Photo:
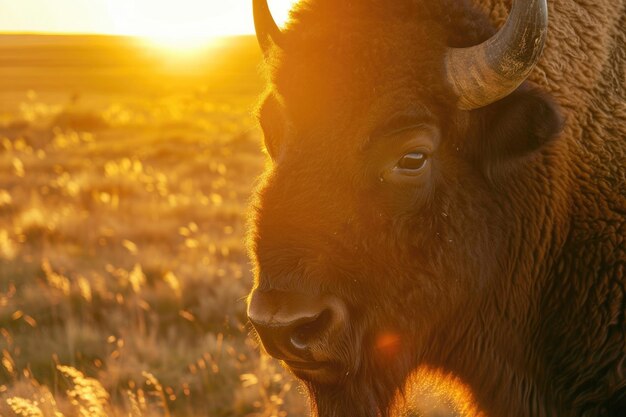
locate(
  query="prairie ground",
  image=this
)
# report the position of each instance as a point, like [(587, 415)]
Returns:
[(124, 181)]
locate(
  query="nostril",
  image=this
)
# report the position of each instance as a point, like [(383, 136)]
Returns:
[(305, 333), (296, 326)]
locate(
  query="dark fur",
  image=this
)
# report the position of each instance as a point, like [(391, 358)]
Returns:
[(506, 269)]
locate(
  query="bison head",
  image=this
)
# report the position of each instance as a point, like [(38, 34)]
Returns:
[(407, 159)]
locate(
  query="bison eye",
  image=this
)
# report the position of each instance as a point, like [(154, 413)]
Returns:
[(407, 157), (412, 162)]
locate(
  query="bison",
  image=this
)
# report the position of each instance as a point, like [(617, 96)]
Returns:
[(443, 197)]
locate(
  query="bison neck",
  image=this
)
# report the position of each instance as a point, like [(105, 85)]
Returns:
[(495, 357), (563, 354)]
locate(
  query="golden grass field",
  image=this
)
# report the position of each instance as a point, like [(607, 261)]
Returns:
[(124, 179), (125, 174)]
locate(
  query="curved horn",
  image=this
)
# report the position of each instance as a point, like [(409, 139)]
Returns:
[(482, 74), (267, 32)]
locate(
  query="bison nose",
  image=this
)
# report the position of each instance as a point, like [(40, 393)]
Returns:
[(295, 326)]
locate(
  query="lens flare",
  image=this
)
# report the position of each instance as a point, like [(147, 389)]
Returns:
[(388, 343)]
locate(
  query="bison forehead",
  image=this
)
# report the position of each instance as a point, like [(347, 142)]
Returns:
[(323, 75), (338, 59)]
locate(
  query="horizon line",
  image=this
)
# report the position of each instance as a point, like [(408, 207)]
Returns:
[(121, 35)]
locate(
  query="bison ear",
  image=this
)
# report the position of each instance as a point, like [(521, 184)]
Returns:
[(512, 129)]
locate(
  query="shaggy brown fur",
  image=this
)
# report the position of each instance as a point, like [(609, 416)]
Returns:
[(505, 267)]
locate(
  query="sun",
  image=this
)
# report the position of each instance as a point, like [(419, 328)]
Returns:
[(182, 46), (186, 26)]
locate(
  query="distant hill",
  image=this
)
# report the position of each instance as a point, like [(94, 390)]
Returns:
[(114, 64)]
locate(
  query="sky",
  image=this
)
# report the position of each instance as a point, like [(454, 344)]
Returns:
[(149, 18)]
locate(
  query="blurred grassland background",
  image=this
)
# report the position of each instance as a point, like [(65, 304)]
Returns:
[(125, 174)]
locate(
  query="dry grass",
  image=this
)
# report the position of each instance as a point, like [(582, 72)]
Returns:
[(123, 270)]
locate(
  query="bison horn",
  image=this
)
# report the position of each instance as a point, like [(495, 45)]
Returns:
[(267, 32), (482, 74)]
